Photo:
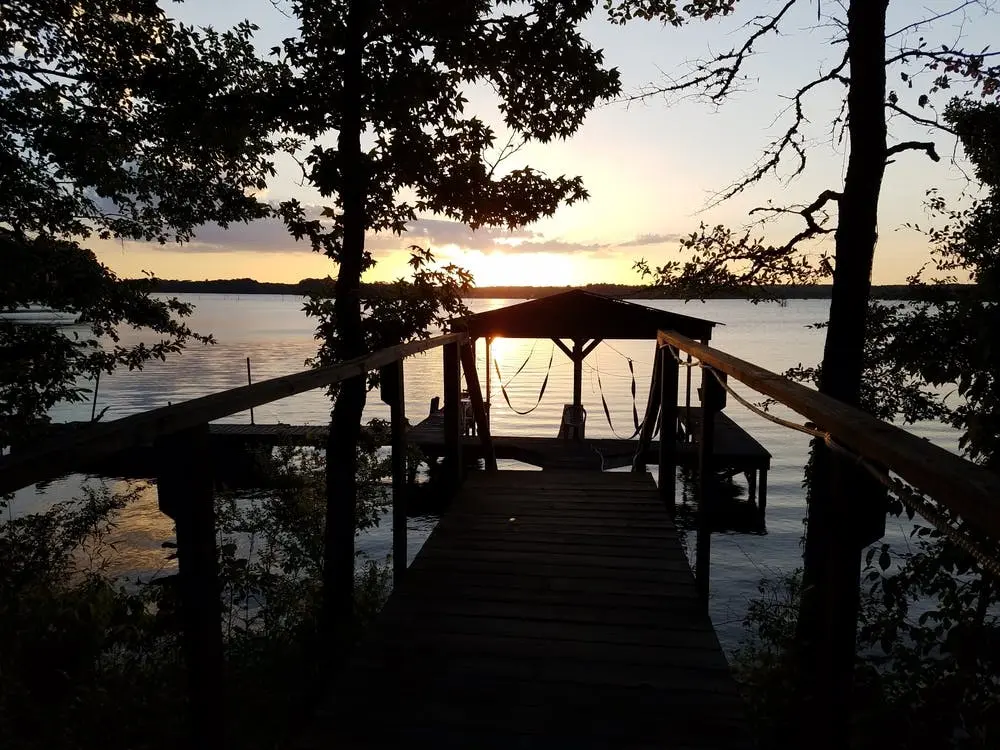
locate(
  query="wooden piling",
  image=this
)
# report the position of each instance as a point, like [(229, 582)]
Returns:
[(393, 394), (712, 396), (669, 377), (184, 490), (453, 427)]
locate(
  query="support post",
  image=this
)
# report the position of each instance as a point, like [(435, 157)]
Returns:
[(689, 434), (577, 375), (762, 495), (393, 394), (468, 354), (453, 427), (712, 397), (669, 377), (184, 492), (652, 410), (489, 375)]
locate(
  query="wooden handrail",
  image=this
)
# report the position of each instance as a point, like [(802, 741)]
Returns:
[(61, 455), (966, 488)]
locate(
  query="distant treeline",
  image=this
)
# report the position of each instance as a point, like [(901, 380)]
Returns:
[(381, 289)]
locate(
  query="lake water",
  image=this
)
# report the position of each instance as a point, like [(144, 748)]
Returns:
[(278, 338)]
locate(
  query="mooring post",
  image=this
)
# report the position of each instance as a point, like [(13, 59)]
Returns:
[(184, 492), (669, 380), (712, 399), (468, 353), (393, 394), (453, 415)]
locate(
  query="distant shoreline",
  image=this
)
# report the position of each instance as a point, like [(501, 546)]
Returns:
[(379, 289)]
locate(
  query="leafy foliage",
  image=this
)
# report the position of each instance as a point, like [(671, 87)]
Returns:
[(109, 129), (91, 660), (423, 152), (929, 636)]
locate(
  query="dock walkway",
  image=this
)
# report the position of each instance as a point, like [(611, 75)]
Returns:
[(546, 610)]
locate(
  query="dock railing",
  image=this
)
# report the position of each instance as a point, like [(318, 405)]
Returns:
[(912, 468), (179, 434)]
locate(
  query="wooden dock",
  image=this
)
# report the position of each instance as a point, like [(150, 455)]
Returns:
[(734, 448), (547, 610)]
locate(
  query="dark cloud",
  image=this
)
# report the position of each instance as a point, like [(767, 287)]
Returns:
[(270, 235)]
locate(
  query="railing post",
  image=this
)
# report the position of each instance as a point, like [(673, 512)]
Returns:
[(393, 393), (712, 396), (468, 353), (452, 415), (669, 377), (184, 492)]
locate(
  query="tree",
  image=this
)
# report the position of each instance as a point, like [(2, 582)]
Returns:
[(110, 118), (839, 493), (390, 82)]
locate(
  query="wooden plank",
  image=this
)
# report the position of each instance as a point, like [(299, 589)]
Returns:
[(393, 393), (61, 455), (966, 488), (554, 633)]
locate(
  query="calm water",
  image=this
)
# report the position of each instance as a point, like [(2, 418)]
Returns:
[(275, 334)]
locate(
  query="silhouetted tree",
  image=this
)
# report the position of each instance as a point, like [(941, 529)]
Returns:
[(381, 92), (115, 123), (845, 505)]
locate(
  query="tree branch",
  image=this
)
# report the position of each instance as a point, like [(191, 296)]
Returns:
[(920, 120), (927, 147)]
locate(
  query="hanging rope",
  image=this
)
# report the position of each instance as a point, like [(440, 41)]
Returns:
[(519, 369), (607, 411), (912, 499), (545, 382)]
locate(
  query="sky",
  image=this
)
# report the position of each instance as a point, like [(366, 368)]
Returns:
[(651, 167)]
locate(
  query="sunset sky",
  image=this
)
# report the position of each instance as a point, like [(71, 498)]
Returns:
[(650, 168)]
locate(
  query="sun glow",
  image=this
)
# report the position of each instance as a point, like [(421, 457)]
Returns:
[(517, 269)]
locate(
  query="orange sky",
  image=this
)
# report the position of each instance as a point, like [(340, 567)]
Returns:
[(650, 168)]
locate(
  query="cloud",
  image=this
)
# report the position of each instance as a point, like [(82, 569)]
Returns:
[(270, 235), (650, 239)]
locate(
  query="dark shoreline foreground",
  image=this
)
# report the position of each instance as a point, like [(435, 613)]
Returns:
[(308, 286)]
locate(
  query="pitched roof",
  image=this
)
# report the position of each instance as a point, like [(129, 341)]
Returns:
[(579, 314)]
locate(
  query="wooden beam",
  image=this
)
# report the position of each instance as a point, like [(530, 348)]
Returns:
[(468, 354), (711, 402), (62, 455), (565, 349), (393, 393), (668, 427), (577, 376), (453, 423), (966, 488), (590, 347)]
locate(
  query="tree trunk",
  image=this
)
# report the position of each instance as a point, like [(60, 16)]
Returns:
[(345, 426), (840, 490)]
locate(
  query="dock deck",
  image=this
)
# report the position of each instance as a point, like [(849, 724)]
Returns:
[(546, 610), (735, 448)]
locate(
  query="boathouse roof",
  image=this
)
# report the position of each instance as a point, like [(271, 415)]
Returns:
[(578, 314)]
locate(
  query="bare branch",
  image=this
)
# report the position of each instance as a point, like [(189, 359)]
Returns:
[(920, 120), (931, 19), (791, 139), (717, 77), (813, 227), (927, 147)]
